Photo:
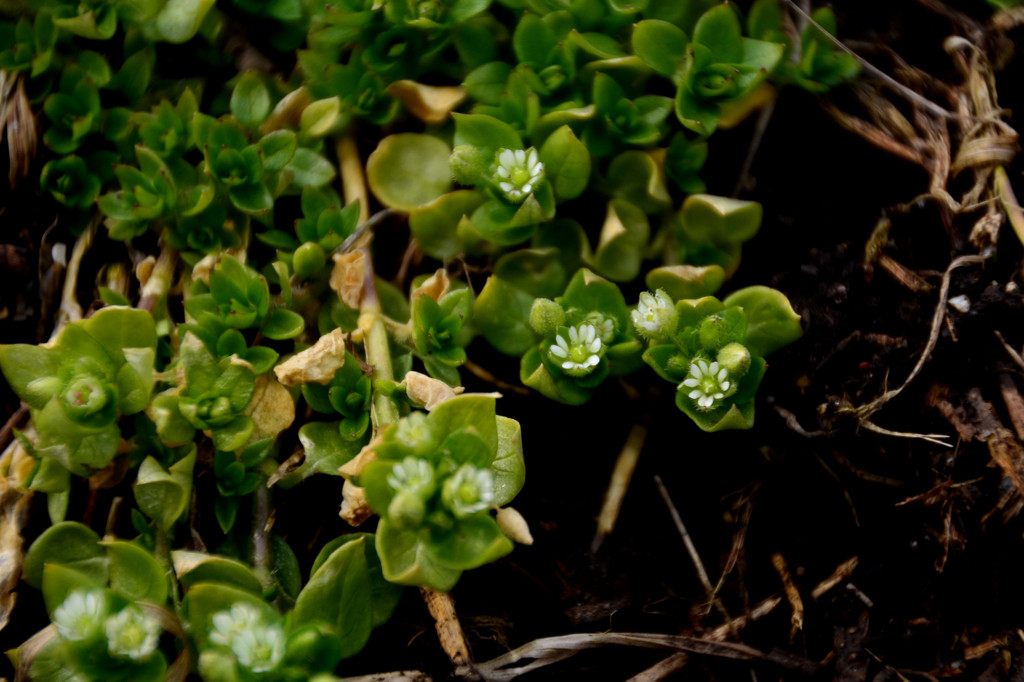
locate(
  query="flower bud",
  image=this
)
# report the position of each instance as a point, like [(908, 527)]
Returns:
[(735, 358), (546, 316), (309, 260)]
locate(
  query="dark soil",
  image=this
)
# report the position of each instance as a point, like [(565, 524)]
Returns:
[(937, 590)]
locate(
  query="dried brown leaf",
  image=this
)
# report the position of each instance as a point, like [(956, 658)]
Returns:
[(348, 276), (316, 364)]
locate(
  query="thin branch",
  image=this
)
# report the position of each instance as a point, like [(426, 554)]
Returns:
[(625, 465)]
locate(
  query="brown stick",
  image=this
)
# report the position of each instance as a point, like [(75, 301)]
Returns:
[(625, 465), (449, 630)]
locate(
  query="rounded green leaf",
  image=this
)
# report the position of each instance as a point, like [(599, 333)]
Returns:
[(714, 219), (282, 323), (135, 573), (686, 281), (660, 44), (502, 314), (623, 240), (509, 467), (70, 544), (475, 541), (409, 170), (250, 100), (405, 560), (194, 568), (435, 224), (338, 596), (566, 163), (771, 321)]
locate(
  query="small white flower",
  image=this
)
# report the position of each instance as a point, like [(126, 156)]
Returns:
[(412, 474), (655, 315), (707, 383), (132, 633), (228, 624), (581, 353), (468, 491), (81, 615), (257, 646), (259, 649), (517, 173)]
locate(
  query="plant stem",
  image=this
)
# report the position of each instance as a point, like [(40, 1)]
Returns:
[(162, 551), (261, 556), (159, 281), (378, 353)]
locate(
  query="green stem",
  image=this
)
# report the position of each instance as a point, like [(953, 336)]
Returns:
[(261, 558), (378, 352), (162, 550)]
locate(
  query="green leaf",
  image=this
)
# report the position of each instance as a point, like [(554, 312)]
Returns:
[(161, 494), (485, 132), (623, 240), (771, 321), (252, 198), (234, 434), (338, 596), (435, 224), (475, 541), (660, 44), (635, 176), (179, 20), (709, 218), (321, 118), (384, 595), (467, 411), (118, 327), (195, 568), (405, 560), (281, 323), (408, 170), (719, 30), (250, 100), (502, 313), (325, 451), (310, 169), (486, 83), (26, 368), (135, 573), (686, 281), (277, 149), (566, 163), (509, 467), (69, 544)]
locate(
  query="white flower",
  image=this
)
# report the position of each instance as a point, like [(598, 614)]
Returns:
[(655, 315), (81, 615), (412, 474), (517, 172), (581, 353), (133, 634), (228, 624), (468, 491), (707, 383), (259, 649), (257, 646)]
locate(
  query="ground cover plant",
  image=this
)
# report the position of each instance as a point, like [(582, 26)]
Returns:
[(269, 261)]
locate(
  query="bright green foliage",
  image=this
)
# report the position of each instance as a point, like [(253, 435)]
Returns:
[(436, 326), (714, 351), (238, 298), (214, 394), (95, 371), (156, 193), (712, 230), (580, 347), (436, 478), (347, 394)]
